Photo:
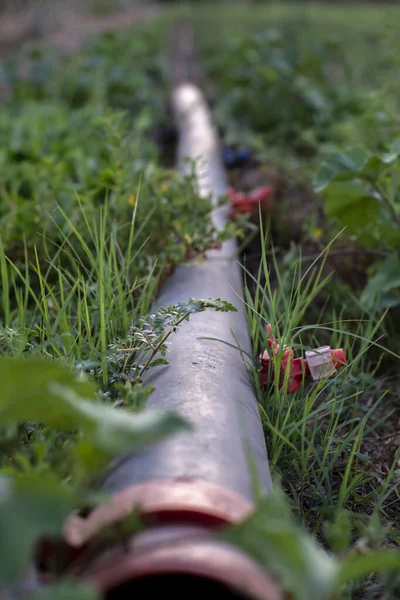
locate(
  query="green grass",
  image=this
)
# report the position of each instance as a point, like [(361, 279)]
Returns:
[(332, 443), (91, 224), (325, 441), (91, 220), (330, 81)]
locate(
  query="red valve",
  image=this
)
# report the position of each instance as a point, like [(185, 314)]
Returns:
[(297, 373), (247, 204), (261, 195), (298, 370), (318, 363)]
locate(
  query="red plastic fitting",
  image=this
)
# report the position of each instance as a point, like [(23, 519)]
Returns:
[(319, 363), (247, 204), (298, 370), (338, 358)]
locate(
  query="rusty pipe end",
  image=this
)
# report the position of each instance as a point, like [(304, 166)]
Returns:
[(180, 560), (179, 552), (177, 500)]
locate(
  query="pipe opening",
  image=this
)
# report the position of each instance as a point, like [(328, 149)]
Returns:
[(177, 586)]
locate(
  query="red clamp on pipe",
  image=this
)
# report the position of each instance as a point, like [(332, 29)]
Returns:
[(319, 363), (247, 204)]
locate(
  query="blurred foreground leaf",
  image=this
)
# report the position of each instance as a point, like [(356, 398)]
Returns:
[(271, 536), (68, 591), (43, 391), (30, 507), (301, 566)]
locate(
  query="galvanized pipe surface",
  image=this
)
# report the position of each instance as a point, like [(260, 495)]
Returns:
[(206, 381)]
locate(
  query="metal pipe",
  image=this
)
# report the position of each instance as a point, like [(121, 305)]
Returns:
[(206, 381), (192, 484)]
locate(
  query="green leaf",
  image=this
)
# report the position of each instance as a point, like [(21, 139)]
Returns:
[(343, 195), (338, 532), (114, 430), (359, 189), (356, 210), (41, 390), (271, 536), (342, 165), (353, 164), (26, 391), (364, 565), (68, 590), (375, 166), (195, 306), (30, 507), (386, 279)]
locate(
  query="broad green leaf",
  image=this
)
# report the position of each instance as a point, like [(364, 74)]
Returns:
[(30, 507), (343, 165), (358, 209), (26, 391), (372, 169), (114, 430), (271, 536), (376, 166), (342, 195), (359, 190), (41, 390), (351, 165), (351, 205), (386, 279)]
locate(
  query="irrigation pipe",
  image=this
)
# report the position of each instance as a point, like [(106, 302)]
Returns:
[(191, 485)]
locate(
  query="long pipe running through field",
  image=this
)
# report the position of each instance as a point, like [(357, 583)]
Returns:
[(193, 484)]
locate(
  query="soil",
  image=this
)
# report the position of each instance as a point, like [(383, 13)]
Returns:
[(68, 33)]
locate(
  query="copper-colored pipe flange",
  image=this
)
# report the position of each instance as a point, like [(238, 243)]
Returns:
[(192, 501), (183, 551)]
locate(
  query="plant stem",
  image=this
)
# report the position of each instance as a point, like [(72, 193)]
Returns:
[(386, 199), (160, 344)]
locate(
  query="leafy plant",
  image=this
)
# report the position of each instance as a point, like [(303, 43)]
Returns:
[(361, 192), (34, 504), (30, 507), (277, 84), (54, 399), (146, 344), (68, 405), (330, 441), (37, 505), (303, 569)]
